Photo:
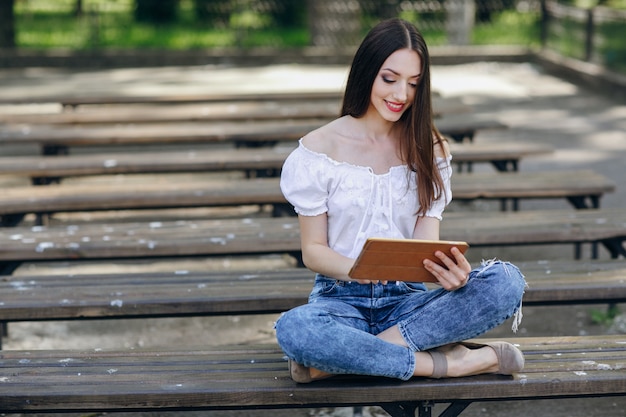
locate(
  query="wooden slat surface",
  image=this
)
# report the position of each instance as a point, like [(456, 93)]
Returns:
[(203, 132), (256, 376), (280, 235), (181, 293), (171, 192), (208, 111), (105, 99), (218, 160), (535, 184), (158, 133), (218, 112)]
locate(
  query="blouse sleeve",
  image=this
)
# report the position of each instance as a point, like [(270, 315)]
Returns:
[(303, 182), (439, 205)]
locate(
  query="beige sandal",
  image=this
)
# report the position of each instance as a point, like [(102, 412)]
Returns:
[(510, 358), (303, 375)]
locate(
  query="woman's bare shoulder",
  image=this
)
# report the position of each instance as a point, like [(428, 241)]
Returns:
[(442, 147), (324, 138)]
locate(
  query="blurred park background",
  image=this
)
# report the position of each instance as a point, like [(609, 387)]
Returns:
[(586, 30)]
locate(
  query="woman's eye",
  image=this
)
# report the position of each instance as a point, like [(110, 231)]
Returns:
[(388, 80)]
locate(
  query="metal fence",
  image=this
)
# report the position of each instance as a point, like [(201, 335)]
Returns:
[(595, 35), (341, 23), (337, 23)]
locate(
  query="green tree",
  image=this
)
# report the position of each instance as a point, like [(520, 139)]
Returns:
[(213, 12), (289, 13)]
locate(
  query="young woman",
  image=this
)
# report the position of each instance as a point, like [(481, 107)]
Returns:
[(383, 170)]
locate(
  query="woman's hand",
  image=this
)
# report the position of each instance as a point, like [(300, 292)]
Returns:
[(455, 273)]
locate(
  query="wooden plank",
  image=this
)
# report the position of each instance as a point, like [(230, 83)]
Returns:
[(201, 132), (106, 99), (216, 112), (582, 188), (193, 160), (203, 160), (536, 184), (162, 133), (281, 235), (209, 111), (171, 193), (456, 126), (252, 377), (192, 293)]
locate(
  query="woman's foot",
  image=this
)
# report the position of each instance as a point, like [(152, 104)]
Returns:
[(303, 374), (465, 359)]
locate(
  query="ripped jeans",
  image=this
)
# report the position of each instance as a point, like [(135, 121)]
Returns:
[(336, 331)]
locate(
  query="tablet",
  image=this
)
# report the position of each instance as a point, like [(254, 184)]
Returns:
[(400, 259)]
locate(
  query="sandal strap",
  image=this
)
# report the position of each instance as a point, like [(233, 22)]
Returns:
[(440, 364)]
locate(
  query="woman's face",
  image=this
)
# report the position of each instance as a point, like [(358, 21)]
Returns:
[(395, 85)]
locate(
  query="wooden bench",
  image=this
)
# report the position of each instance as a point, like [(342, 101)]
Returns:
[(58, 139), (191, 293), (256, 377), (235, 110), (231, 237), (72, 101), (582, 188), (255, 162)]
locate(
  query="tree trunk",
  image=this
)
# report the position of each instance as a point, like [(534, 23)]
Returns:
[(78, 8), (156, 11), (7, 24), (460, 21)]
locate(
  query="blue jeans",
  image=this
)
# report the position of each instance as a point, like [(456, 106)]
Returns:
[(336, 331)]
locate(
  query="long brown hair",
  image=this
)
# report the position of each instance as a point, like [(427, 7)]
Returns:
[(417, 132)]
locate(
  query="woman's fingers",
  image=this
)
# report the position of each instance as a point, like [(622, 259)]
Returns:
[(454, 273)]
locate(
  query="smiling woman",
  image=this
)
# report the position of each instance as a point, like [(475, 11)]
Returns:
[(382, 170)]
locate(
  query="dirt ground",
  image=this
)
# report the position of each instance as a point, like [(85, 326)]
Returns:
[(586, 130)]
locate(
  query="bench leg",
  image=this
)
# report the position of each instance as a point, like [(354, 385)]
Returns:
[(283, 210), (507, 165), (10, 220), (504, 204), (424, 409), (8, 267), (455, 409), (405, 409), (615, 247), (55, 150), (582, 202), (4, 332)]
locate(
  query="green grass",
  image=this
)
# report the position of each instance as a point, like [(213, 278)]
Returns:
[(118, 30), (50, 24), (509, 28)]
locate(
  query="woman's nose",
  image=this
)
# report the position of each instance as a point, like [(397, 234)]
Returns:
[(400, 92)]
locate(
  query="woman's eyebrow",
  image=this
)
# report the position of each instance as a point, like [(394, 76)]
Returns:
[(398, 74)]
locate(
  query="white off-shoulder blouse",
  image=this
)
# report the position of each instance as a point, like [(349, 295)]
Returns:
[(359, 203)]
